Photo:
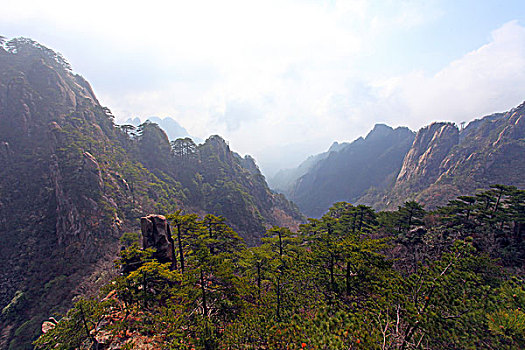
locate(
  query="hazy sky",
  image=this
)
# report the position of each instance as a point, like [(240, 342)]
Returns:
[(284, 79)]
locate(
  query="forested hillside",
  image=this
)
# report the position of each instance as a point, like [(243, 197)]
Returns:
[(354, 279), (239, 267), (72, 181)]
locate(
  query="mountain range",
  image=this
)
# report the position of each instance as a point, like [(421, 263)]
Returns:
[(391, 166), (72, 182)]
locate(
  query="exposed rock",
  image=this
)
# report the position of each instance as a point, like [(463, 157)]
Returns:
[(220, 148), (431, 145), (249, 164), (67, 216), (92, 170), (49, 325), (156, 234), (16, 114), (62, 185), (50, 83), (347, 171), (443, 163)]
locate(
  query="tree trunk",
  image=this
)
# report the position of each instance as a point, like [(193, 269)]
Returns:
[(259, 279), (332, 278), (181, 252), (203, 287), (348, 278), (278, 299)]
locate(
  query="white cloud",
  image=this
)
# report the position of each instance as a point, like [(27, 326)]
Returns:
[(486, 80), (266, 74)]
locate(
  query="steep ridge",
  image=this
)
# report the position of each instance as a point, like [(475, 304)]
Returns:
[(438, 164), (71, 182), (445, 162), (348, 171), (57, 221)]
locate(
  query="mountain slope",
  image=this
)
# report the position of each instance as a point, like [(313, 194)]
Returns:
[(284, 179), (444, 162), (348, 171), (72, 181), (438, 164)]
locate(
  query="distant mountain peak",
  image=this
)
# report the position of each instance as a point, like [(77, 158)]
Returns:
[(347, 170), (379, 130), (171, 127)]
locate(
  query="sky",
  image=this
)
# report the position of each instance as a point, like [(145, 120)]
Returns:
[(281, 80)]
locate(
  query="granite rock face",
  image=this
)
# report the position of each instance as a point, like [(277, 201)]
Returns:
[(156, 234), (445, 162), (422, 164), (389, 167), (66, 225)]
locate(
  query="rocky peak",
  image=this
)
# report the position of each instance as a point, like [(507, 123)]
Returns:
[(52, 86), (154, 146), (249, 164), (379, 131), (336, 146), (38, 87), (219, 147), (431, 145)]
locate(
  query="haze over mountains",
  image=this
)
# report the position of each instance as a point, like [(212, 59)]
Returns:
[(346, 171), (391, 166), (170, 126), (72, 181)]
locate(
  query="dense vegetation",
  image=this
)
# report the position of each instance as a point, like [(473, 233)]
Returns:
[(355, 278)]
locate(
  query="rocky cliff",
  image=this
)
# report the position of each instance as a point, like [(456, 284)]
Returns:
[(432, 144), (445, 162), (57, 222), (389, 167)]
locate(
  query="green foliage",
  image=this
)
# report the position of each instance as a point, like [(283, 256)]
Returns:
[(128, 238), (339, 282), (508, 321), (74, 180), (75, 329)]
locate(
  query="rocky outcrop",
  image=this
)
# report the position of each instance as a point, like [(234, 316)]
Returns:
[(444, 162), (49, 325), (69, 175), (156, 234), (5, 151), (68, 225), (422, 164), (91, 170), (52, 183)]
